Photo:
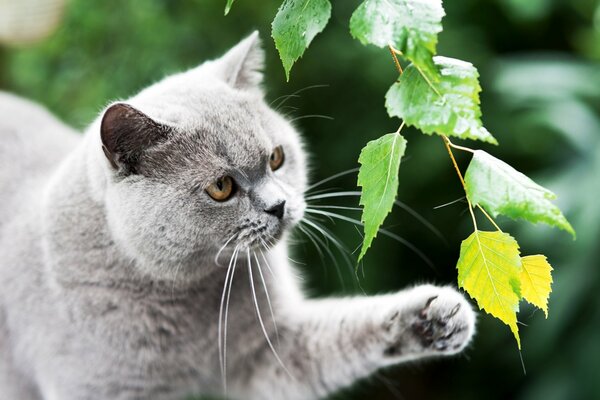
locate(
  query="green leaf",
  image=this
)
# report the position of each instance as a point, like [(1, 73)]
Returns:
[(501, 189), (296, 24), (378, 176), (489, 269), (449, 107), (411, 26), (228, 6), (536, 281)]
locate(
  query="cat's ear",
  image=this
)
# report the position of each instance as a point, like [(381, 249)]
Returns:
[(126, 134), (241, 67)]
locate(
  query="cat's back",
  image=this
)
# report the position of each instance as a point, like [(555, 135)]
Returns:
[(32, 143)]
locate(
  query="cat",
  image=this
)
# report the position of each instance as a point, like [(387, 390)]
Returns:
[(147, 258)]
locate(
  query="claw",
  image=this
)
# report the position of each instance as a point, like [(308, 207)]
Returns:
[(454, 311), (423, 312)]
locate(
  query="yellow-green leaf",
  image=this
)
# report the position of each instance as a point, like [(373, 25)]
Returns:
[(489, 269), (536, 281)]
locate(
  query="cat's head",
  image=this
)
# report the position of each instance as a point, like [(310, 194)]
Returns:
[(199, 160)]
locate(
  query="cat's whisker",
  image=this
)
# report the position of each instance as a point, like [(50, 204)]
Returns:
[(312, 116), (228, 277), (316, 240), (332, 177), (260, 320), (336, 208), (330, 195), (262, 279), (262, 253), (285, 98), (460, 199), (398, 203), (330, 237), (223, 248), (310, 237), (383, 231), (227, 312)]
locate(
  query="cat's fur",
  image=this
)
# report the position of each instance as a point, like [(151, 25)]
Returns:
[(109, 287)]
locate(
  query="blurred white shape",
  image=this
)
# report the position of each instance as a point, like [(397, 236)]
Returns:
[(28, 21)]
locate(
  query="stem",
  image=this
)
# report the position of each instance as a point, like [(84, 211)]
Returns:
[(394, 51), (449, 146), (462, 181), (455, 146), (400, 128), (489, 218)]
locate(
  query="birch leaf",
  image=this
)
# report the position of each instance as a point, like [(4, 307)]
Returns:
[(411, 26), (501, 189), (378, 177), (296, 24), (449, 107), (536, 281), (489, 269)]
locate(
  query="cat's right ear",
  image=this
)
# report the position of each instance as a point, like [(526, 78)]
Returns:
[(126, 134)]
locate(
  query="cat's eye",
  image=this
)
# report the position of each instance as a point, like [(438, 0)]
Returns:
[(276, 159), (222, 189)]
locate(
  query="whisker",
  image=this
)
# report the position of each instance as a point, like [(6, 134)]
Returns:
[(341, 248), (260, 320), (262, 279), (311, 116), (422, 220), (220, 326), (337, 208), (266, 262), (450, 203), (329, 189), (223, 248), (315, 239), (295, 94), (332, 177), (227, 313), (329, 195), (398, 203), (385, 232)]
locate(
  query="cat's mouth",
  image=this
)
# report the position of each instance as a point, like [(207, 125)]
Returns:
[(261, 235)]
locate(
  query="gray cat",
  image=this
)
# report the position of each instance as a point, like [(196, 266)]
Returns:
[(147, 259)]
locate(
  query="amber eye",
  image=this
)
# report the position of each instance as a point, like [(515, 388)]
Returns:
[(221, 189), (276, 159)]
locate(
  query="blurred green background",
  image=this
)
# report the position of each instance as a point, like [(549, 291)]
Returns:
[(538, 61)]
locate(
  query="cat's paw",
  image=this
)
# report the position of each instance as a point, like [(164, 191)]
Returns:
[(437, 320)]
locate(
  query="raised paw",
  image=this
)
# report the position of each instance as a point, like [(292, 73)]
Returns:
[(432, 320)]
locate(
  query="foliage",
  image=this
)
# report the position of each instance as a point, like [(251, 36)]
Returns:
[(379, 181), (536, 279), (410, 26), (450, 107), (436, 95), (296, 24), (541, 100), (501, 189), (489, 268)]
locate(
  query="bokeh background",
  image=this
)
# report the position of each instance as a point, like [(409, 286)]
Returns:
[(538, 61)]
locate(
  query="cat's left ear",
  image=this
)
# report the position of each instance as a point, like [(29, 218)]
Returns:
[(241, 67)]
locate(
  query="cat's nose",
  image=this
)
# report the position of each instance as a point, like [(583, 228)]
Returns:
[(277, 209)]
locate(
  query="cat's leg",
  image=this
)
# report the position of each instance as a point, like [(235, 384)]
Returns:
[(330, 343)]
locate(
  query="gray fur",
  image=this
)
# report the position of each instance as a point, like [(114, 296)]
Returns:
[(112, 280)]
